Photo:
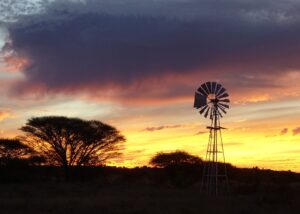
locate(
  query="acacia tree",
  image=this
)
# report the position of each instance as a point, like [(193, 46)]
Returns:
[(72, 141), (165, 159), (13, 152)]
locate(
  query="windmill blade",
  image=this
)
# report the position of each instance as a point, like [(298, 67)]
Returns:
[(223, 96), (223, 105), (206, 113), (203, 109), (199, 101), (209, 86), (218, 88), (219, 113), (215, 106), (201, 90), (225, 101), (221, 91), (222, 109), (213, 85), (205, 88)]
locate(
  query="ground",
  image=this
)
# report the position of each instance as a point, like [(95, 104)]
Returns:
[(92, 197)]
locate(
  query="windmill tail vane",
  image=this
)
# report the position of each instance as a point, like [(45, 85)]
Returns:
[(211, 100)]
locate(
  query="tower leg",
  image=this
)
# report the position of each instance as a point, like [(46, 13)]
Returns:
[(214, 176)]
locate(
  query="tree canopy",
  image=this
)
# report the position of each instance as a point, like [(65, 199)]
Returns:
[(13, 152), (165, 159), (72, 141)]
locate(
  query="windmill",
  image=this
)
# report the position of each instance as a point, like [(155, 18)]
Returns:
[(211, 100)]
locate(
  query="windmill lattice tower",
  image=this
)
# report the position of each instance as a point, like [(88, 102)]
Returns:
[(211, 99)]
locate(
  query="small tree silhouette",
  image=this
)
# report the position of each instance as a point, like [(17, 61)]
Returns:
[(176, 158), (13, 152), (181, 168), (72, 141)]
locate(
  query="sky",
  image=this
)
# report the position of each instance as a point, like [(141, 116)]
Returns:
[(135, 64)]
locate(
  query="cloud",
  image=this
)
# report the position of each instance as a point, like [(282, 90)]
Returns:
[(201, 132), (14, 63), (296, 131), (6, 114), (10, 10), (158, 128), (131, 50), (284, 131)]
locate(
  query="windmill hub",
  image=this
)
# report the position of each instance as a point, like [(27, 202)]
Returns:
[(211, 97)]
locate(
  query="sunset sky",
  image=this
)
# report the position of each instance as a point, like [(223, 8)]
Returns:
[(136, 64)]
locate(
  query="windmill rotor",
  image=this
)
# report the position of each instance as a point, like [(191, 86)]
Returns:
[(211, 97)]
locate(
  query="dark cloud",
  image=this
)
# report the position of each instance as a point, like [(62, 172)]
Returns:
[(157, 128), (296, 131), (284, 131), (201, 132), (100, 45)]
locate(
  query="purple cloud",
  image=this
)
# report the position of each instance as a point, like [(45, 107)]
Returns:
[(74, 47)]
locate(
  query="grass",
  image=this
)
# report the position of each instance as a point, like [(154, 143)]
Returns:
[(92, 197)]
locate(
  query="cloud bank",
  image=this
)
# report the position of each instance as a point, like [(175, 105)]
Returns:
[(155, 49)]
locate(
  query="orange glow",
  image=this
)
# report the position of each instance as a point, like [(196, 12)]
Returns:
[(255, 119), (6, 114), (243, 148), (15, 63), (254, 136), (254, 99)]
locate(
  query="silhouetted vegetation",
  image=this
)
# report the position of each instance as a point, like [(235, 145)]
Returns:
[(171, 186), (70, 142), (177, 158), (178, 165), (15, 153)]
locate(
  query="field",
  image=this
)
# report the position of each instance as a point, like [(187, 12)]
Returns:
[(140, 195)]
